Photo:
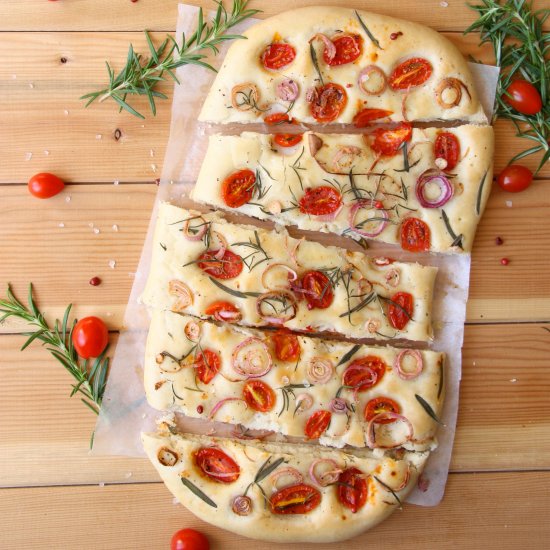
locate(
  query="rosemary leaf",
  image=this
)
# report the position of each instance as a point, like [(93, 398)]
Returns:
[(315, 62), (369, 34), (349, 355), (457, 239), (197, 492), (233, 292), (267, 468), (427, 407), (388, 488), (480, 193)]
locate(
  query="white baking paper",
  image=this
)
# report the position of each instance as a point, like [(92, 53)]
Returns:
[(125, 412)]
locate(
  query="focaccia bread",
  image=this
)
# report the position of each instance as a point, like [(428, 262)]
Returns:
[(427, 196), (334, 392), (327, 64), (269, 279), (282, 493)]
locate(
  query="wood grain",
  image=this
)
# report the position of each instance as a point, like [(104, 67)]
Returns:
[(44, 116), (476, 513)]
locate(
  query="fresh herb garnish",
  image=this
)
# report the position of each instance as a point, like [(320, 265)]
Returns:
[(265, 469), (388, 488), (349, 354), (251, 261), (233, 292), (196, 491), (457, 239), (315, 62), (297, 166), (480, 193), (427, 407), (440, 387), (368, 33), (288, 391)]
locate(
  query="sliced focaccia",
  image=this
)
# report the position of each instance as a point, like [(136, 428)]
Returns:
[(269, 278), (334, 392), (327, 64), (428, 195), (282, 493)]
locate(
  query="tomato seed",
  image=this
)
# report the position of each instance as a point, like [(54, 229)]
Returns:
[(505, 261), (95, 281)]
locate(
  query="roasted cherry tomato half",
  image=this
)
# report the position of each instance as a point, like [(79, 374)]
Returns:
[(415, 235), (327, 102), (207, 365), (410, 73), (388, 142), (238, 188), (348, 49), (317, 290), (218, 466), (320, 201), (296, 499), (287, 346), (364, 373), (352, 489), (523, 97), (400, 309), (278, 55), (283, 140), (189, 539), (45, 185), (366, 116), (317, 424), (380, 405), (228, 266), (515, 178), (224, 311), (447, 147), (277, 118), (259, 396), (90, 337)]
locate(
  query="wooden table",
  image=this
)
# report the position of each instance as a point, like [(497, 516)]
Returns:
[(54, 494)]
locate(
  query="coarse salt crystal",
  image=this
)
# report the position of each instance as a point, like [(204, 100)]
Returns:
[(101, 484), (444, 4), (175, 501), (509, 204), (91, 224), (115, 227), (31, 85), (68, 199), (152, 153), (154, 167), (96, 230), (28, 156), (46, 152), (98, 136), (112, 264), (116, 182), (66, 112), (513, 379), (61, 224), (128, 475)]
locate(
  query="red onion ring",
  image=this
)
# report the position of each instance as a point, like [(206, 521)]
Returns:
[(241, 505), (221, 403), (330, 48), (419, 364), (183, 294), (372, 326), (200, 230), (328, 477), (288, 471), (392, 277), (364, 77), (230, 316), (251, 364), (383, 261), (272, 318), (192, 331), (288, 90), (332, 216), (344, 151), (319, 371), (353, 213), (304, 402), (445, 190), (387, 415), (293, 276), (338, 405)]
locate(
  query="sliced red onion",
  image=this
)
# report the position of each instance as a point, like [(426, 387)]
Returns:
[(292, 276), (221, 403), (325, 478), (289, 471), (286, 298), (230, 316), (288, 90), (192, 331), (332, 216), (344, 151), (220, 254), (311, 95), (338, 405), (200, 231), (372, 326), (364, 77), (183, 294), (330, 48), (319, 371), (254, 362), (241, 505), (387, 415), (383, 261), (223, 244), (445, 190), (379, 213), (392, 277), (304, 402), (409, 375)]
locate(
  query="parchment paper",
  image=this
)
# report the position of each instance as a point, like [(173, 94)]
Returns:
[(125, 412)]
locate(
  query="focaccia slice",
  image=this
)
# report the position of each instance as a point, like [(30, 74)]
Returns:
[(429, 195), (297, 62), (271, 279), (282, 493), (334, 392)]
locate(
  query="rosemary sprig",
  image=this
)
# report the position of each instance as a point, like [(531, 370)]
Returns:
[(349, 354), (288, 391), (251, 261), (233, 292), (457, 239), (521, 50), (368, 33), (296, 166), (480, 192), (142, 74), (315, 62), (428, 408), (389, 489), (197, 492), (265, 469), (90, 378)]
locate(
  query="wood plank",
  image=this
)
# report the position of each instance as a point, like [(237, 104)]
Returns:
[(49, 121), (497, 417), (479, 511)]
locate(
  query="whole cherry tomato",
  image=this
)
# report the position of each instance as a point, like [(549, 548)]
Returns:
[(523, 97), (90, 337), (44, 185), (515, 178), (189, 539)]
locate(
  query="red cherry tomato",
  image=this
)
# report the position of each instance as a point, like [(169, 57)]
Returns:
[(388, 142), (189, 539), (283, 140), (364, 373), (287, 346), (317, 424), (296, 499), (379, 405), (90, 337), (523, 97), (415, 235), (515, 178), (277, 118), (327, 102), (320, 201), (216, 465), (207, 365), (224, 311), (366, 116), (259, 396), (278, 55), (400, 309), (352, 489), (317, 290), (238, 188), (447, 147), (410, 73), (348, 49), (44, 185), (228, 267)]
